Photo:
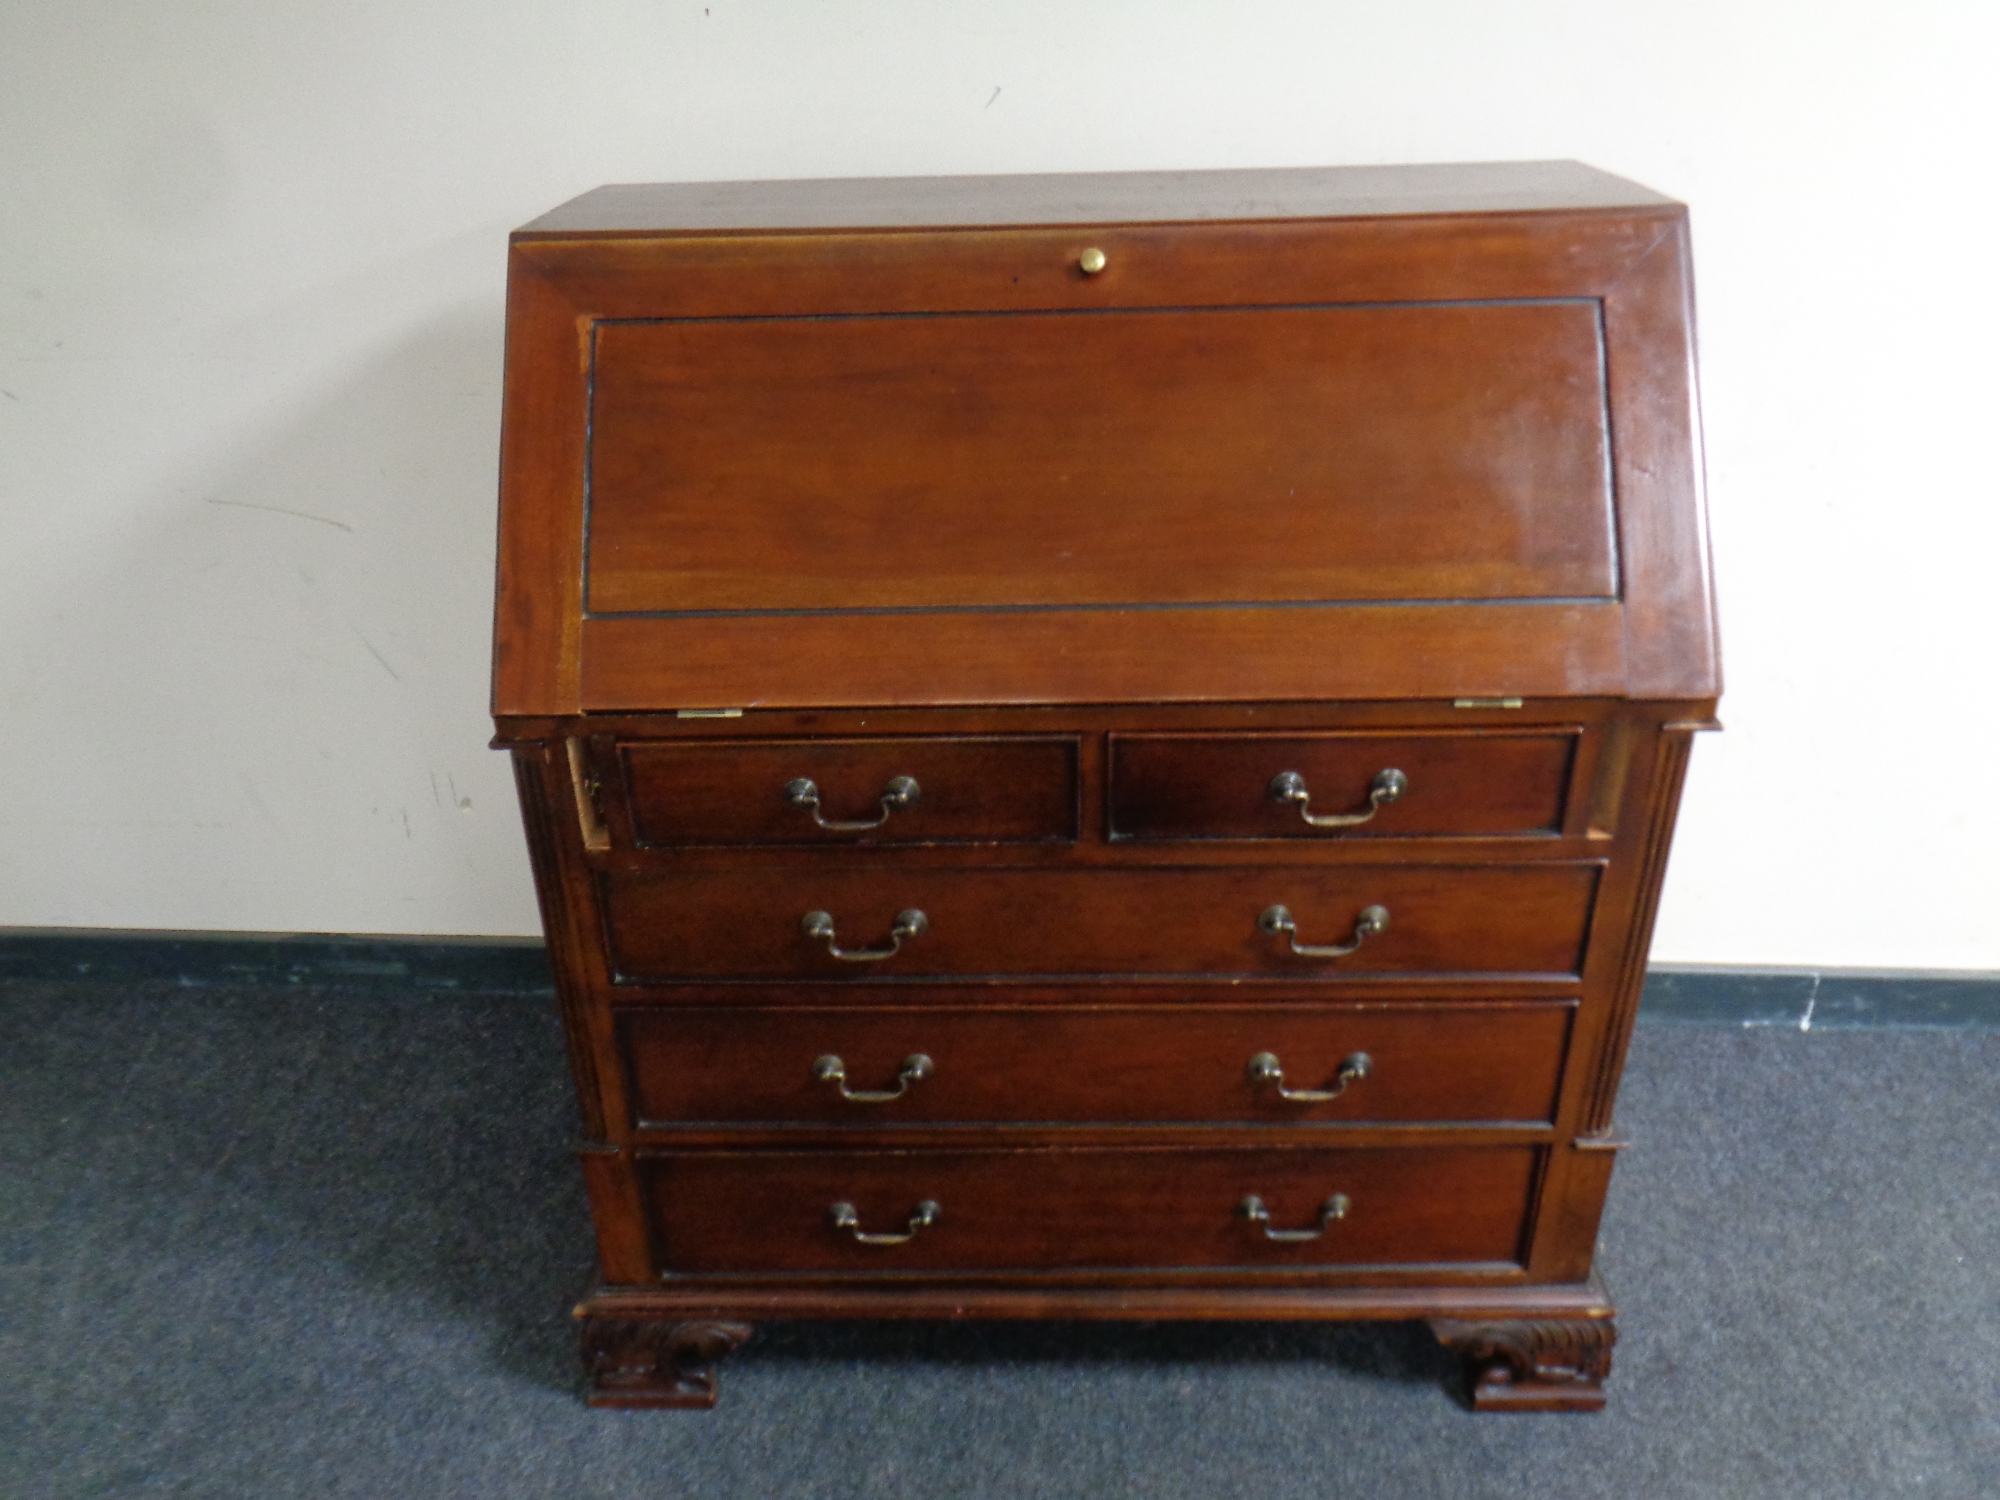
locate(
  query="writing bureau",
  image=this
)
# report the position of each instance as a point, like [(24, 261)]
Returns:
[(1102, 746)]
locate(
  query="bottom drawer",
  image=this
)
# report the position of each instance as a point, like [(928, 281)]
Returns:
[(1086, 1208)]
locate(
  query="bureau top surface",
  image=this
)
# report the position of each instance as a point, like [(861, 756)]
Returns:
[(1091, 198)]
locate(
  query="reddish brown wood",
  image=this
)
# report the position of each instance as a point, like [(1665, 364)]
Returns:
[(748, 923), (1377, 1295), (735, 792), (1667, 754), (638, 1363), (1180, 655), (1489, 1061), (571, 948), (1313, 457), (1219, 787), (624, 1251), (820, 203), (1284, 454), (1670, 634), (1271, 265), (1085, 1208), (538, 594), (1533, 1364)]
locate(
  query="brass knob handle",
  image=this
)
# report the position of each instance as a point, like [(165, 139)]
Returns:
[(1264, 1068), (922, 1217), (1290, 787), (1278, 920), (830, 1069), (1091, 261), (1252, 1208), (910, 923), (901, 791)]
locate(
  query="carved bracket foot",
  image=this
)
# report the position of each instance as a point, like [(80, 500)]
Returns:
[(644, 1364), (1535, 1364)]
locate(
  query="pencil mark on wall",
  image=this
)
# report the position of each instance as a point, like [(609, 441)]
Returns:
[(10, 395), (256, 800), (376, 654), (278, 510), (464, 803), (996, 95)]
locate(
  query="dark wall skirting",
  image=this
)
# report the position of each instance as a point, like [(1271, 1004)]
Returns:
[(467, 965), (1806, 999), (1822, 999)]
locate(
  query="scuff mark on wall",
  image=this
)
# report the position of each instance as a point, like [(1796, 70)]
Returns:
[(279, 510), (376, 654)]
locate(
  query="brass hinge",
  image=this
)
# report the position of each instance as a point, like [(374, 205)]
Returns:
[(1486, 703), (708, 713)]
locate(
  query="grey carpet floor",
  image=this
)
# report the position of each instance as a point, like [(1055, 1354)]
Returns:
[(285, 1242)]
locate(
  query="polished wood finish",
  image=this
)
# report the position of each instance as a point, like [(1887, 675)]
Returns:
[(1033, 656), (746, 923), (636, 1363), (1015, 790), (1652, 635), (1538, 1364), (1329, 472), (1219, 786), (1472, 1061), (1160, 457), (821, 203), (1088, 1208)]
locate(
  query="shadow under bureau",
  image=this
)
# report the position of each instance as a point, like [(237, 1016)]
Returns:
[(1102, 746)]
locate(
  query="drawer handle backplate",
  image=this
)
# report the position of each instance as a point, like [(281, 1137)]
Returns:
[(830, 1069), (803, 791), (1252, 1208), (1264, 1068), (1290, 787), (1278, 919), (819, 926), (922, 1216)]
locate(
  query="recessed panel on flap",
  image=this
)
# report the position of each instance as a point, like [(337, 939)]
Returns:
[(1420, 451)]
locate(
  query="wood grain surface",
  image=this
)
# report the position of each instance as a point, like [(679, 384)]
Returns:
[(1103, 1208), (1486, 1061), (746, 923)]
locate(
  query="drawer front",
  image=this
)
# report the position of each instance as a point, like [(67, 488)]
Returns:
[(754, 924), (1491, 1061), (1444, 451), (1109, 1208), (915, 791), (1339, 786)]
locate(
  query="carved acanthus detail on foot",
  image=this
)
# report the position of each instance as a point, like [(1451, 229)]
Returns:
[(636, 1363), (1534, 1364)]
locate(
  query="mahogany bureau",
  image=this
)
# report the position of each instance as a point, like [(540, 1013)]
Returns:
[(1102, 746)]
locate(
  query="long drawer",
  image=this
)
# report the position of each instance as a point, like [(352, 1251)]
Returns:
[(873, 1066), (1077, 1208), (812, 921)]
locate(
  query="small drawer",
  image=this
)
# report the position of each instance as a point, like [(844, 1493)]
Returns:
[(1087, 1208), (853, 791), (1491, 1061), (1484, 784), (848, 921)]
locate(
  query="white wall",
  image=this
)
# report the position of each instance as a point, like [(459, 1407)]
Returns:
[(251, 263)]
